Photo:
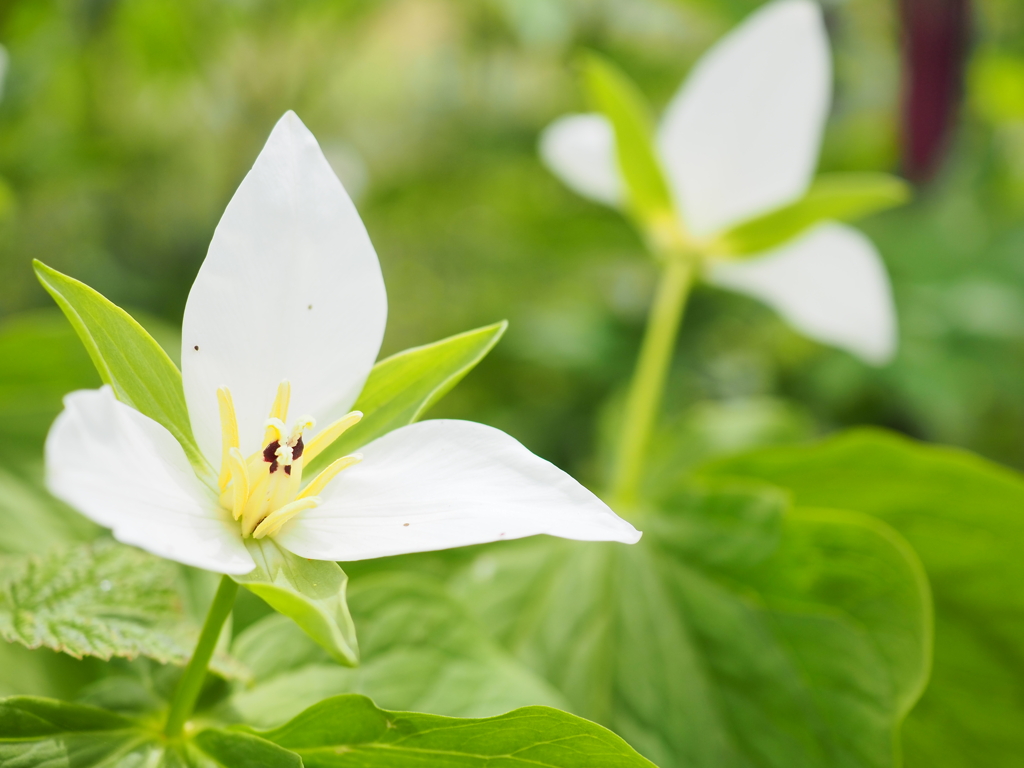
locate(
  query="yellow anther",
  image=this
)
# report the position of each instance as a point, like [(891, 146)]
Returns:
[(273, 522), (320, 481), (276, 430), (329, 434), (228, 432), (239, 488), (306, 422), (279, 410)]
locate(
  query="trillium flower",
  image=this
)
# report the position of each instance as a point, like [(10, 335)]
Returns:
[(281, 329), (740, 139)]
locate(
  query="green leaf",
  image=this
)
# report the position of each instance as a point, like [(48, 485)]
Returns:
[(401, 388), (965, 518), (102, 599), (834, 196), (42, 732), (34, 522), (309, 592), (420, 651), (737, 632), (127, 358), (43, 361), (617, 97), (352, 731), (244, 750), (99, 600)]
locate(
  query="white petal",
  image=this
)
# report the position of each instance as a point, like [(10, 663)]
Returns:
[(441, 484), (741, 136), (830, 284), (126, 472), (580, 150), (291, 289)]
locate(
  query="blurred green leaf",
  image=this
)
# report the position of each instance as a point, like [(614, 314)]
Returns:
[(965, 517), (42, 732), (43, 361), (736, 633), (127, 357), (351, 731), (401, 388), (310, 592), (234, 749), (833, 196), (617, 97), (997, 85), (34, 522), (420, 651), (37, 673), (102, 600), (38, 733)]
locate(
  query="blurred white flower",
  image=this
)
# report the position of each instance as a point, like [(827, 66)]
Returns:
[(286, 316), (739, 139)]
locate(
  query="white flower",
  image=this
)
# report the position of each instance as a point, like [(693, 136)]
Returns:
[(739, 139), (282, 327)]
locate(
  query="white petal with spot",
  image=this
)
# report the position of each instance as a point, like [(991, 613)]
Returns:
[(290, 289), (580, 150), (830, 284), (127, 472), (440, 484), (741, 136)]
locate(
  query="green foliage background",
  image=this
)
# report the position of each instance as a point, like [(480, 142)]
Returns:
[(125, 126)]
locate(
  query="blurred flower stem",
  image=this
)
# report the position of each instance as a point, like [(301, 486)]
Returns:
[(648, 385)]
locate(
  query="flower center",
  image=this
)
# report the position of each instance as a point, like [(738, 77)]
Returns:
[(264, 491)]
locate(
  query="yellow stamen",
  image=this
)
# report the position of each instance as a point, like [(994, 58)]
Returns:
[(228, 431), (256, 505), (320, 481), (329, 434), (284, 486), (273, 522), (263, 490), (239, 482), (279, 411)]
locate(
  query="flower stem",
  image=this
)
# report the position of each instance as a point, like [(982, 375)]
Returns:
[(647, 387), (191, 682)]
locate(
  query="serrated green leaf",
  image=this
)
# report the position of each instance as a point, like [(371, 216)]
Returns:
[(103, 600), (963, 515), (737, 632), (420, 652), (127, 358), (401, 388), (351, 731), (617, 97), (833, 196), (99, 600), (309, 592)]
